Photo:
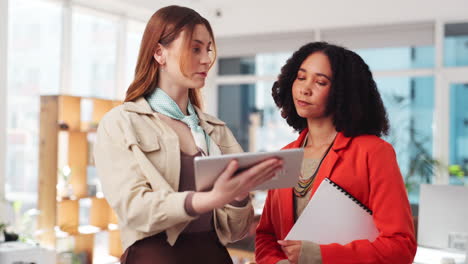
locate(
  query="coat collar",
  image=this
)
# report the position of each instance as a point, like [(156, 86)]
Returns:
[(139, 106), (142, 107)]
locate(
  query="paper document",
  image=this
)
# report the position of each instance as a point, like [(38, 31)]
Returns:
[(333, 216)]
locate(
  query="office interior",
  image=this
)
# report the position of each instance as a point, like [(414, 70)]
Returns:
[(68, 62)]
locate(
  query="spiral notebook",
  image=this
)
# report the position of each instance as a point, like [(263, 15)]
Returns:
[(333, 216)]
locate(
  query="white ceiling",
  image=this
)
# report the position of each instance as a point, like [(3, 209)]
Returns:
[(154, 5), (199, 5), (253, 17)]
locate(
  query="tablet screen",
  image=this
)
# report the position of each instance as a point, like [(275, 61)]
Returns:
[(208, 169)]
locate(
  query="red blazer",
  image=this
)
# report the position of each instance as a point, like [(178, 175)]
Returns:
[(366, 167)]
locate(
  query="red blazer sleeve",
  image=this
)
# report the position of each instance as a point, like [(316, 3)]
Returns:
[(267, 250), (392, 216)]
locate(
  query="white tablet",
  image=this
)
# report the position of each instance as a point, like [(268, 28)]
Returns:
[(207, 169)]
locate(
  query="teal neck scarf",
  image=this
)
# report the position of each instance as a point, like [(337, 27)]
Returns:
[(164, 104)]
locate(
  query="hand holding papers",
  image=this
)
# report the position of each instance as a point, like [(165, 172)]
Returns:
[(333, 216)]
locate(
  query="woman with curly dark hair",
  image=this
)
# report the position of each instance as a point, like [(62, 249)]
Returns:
[(328, 94)]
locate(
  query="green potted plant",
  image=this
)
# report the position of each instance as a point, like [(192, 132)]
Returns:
[(422, 165), (458, 171)]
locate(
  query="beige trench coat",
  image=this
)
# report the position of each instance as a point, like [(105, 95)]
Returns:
[(138, 162)]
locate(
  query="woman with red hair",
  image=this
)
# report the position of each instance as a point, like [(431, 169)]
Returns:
[(145, 150)]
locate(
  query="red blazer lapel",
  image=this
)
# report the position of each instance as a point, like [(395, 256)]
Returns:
[(285, 196), (330, 160), (286, 211), (325, 170)]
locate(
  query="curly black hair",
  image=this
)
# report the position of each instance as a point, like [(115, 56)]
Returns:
[(354, 101)]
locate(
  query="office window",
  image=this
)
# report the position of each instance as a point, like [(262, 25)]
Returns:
[(379, 59), (249, 111), (248, 108), (458, 157), (134, 34), (94, 53), (34, 50), (410, 104), (456, 44), (262, 64), (399, 58), (236, 66), (271, 63)]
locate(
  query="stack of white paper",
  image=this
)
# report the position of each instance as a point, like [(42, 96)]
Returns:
[(333, 216)]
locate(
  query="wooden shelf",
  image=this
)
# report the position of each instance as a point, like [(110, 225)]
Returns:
[(90, 130), (68, 215), (78, 161), (115, 247), (69, 111), (99, 196), (72, 146), (100, 214), (80, 230)]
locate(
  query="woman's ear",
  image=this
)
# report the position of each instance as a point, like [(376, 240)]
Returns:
[(159, 55)]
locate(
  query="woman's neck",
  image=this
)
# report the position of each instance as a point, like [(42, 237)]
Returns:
[(321, 132), (179, 94)]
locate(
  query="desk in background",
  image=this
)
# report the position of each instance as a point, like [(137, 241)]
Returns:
[(17, 252), (434, 256)]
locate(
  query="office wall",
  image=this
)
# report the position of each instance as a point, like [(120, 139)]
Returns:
[(127, 8), (286, 16), (245, 26), (245, 17), (3, 91)]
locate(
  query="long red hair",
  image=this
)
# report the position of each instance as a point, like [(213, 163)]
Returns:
[(164, 27)]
